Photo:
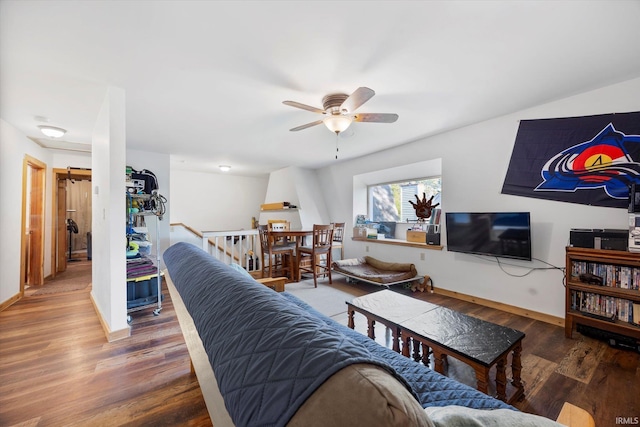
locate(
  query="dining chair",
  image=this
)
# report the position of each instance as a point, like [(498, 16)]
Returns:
[(338, 236), (280, 225), (309, 257), (277, 258)]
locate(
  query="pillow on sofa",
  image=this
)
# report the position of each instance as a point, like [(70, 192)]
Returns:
[(360, 394), (238, 268), (460, 416)]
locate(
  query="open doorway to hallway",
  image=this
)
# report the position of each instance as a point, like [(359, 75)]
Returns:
[(72, 218)]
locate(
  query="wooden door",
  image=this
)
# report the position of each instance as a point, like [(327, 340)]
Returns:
[(32, 248)]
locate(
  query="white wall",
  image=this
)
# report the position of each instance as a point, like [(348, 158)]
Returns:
[(13, 148), (109, 277), (282, 188), (311, 200), (301, 188), (474, 163), (75, 159), (215, 201)]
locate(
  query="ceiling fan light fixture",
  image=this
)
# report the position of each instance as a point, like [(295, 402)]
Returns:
[(52, 131), (337, 123), (224, 168)]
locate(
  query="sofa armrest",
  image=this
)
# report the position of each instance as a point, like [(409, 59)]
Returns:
[(275, 283)]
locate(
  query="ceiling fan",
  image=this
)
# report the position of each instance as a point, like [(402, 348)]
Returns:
[(339, 111)]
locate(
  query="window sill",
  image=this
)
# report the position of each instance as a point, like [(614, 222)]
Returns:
[(398, 242)]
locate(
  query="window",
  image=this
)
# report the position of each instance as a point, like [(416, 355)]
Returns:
[(390, 202)]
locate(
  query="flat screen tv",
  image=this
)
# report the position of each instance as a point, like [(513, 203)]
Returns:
[(499, 234)]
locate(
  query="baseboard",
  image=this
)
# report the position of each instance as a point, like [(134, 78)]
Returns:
[(111, 335), (547, 318), (10, 301)]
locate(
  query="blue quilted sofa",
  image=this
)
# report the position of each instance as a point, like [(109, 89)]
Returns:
[(276, 361)]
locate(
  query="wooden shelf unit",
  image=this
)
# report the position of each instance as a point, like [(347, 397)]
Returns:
[(573, 284)]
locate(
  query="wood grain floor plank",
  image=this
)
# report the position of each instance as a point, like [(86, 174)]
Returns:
[(535, 373), (582, 360)]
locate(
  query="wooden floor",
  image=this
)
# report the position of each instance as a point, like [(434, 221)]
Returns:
[(57, 369)]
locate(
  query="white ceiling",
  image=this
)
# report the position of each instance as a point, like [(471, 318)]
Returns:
[(205, 80)]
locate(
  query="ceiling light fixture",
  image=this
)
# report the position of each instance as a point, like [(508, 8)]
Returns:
[(337, 123), (51, 131), (225, 168)]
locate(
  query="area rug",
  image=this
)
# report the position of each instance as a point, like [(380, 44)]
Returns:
[(76, 278), (330, 300), (56, 288)]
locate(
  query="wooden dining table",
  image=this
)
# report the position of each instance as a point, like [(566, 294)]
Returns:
[(299, 236)]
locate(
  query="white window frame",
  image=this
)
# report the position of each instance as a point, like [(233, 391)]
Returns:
[(402, 217), (396, 174)]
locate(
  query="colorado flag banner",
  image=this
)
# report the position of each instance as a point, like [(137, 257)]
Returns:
[(589, 160)]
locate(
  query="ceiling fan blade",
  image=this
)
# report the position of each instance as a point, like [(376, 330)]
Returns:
[(376, 117), (356, 99), (303, 106), (308, 125)]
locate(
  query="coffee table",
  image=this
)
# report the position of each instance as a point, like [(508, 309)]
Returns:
[(388, 308), (445, 332)]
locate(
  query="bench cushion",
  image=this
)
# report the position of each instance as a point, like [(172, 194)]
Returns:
[(374, 270)]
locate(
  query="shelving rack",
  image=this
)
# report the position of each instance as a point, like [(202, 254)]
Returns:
[(153, 299)]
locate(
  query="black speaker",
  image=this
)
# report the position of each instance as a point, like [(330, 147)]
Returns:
[(612, 239), (634, 198), (433, 235), (581, 238)]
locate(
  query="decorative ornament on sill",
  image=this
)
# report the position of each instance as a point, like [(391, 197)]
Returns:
[(423, 207)]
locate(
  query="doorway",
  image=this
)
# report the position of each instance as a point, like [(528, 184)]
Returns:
[(32, 242), (71, 212)]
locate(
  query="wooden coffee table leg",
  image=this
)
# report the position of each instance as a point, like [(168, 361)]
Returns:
[(482, 378), (350, 322), (371, 333), (425, 354), (440, 360), (501, 379), (406, 343), (516, 367), (396, 339), (416, 351)]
